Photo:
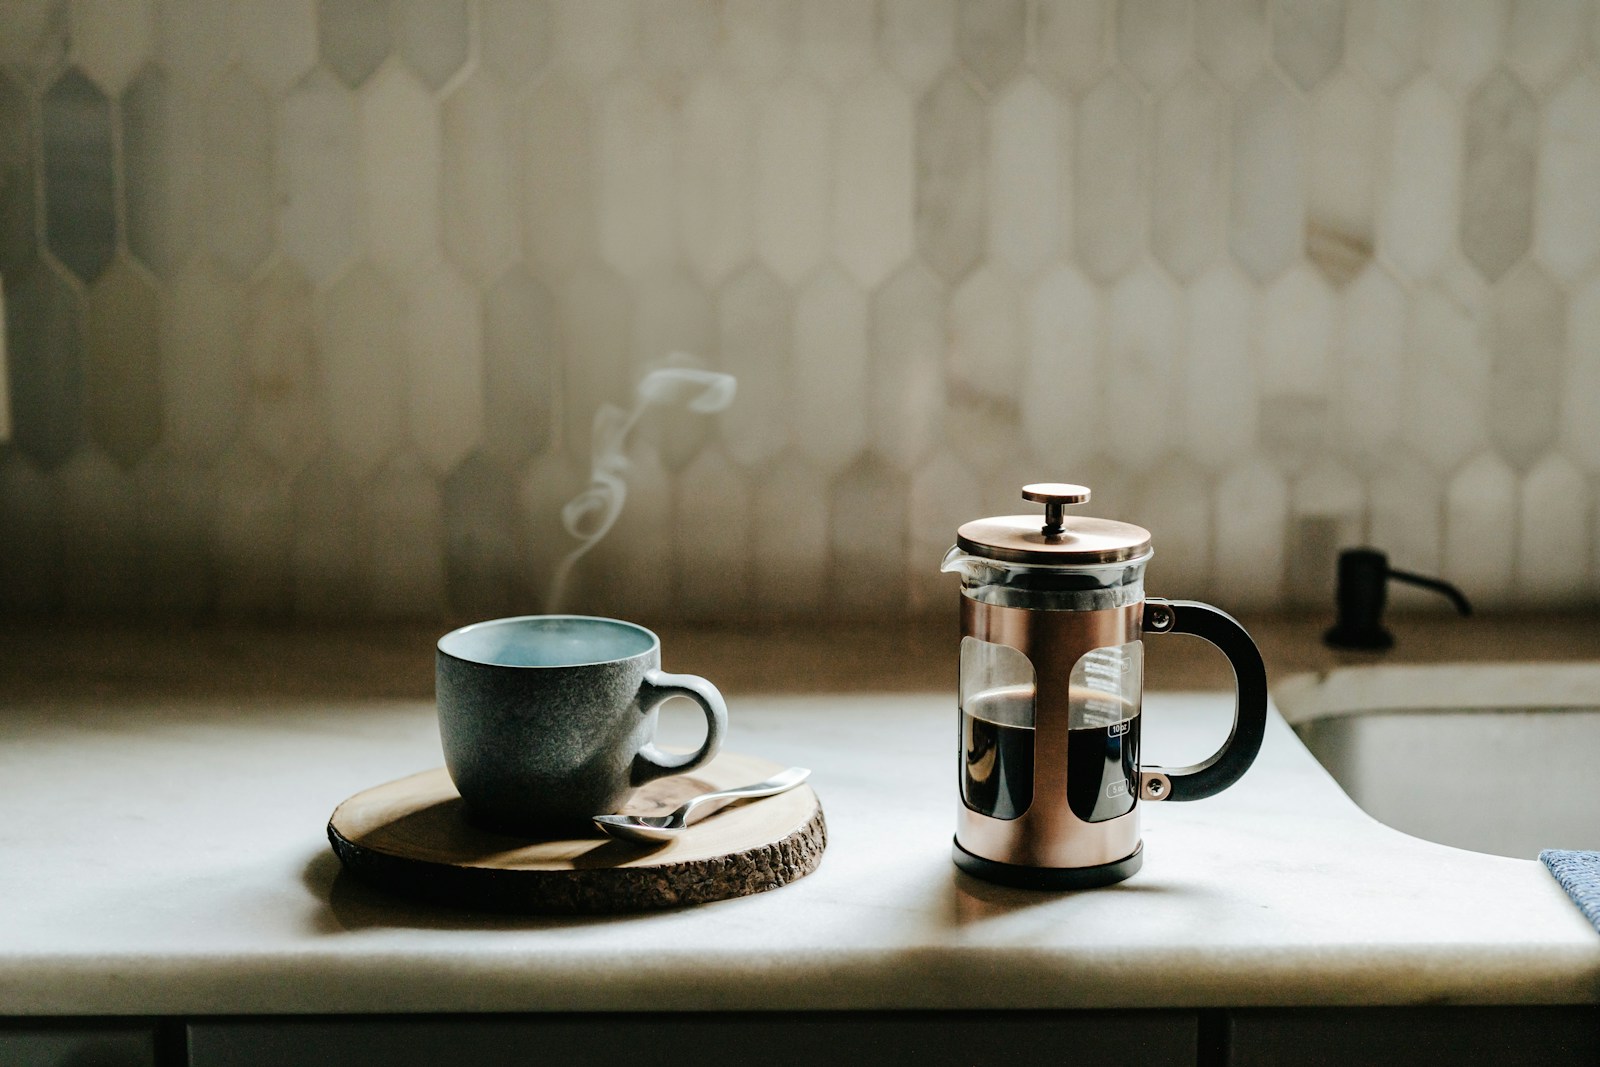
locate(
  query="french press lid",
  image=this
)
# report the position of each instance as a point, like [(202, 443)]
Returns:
[(1054, 539)]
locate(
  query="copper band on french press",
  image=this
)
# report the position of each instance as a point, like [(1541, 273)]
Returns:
[(1048, 833)]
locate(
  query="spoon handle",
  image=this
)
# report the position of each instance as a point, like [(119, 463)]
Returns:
[(778, 783)]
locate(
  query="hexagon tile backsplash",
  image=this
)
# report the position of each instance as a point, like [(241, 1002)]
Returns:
[(311, 304)]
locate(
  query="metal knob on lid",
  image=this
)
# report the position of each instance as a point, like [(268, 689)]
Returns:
[(1058, 540), (1055, 496)]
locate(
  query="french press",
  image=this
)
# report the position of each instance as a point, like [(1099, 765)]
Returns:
[(1051, 680)]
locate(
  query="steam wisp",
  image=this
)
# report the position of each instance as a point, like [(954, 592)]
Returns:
[(590, 515)]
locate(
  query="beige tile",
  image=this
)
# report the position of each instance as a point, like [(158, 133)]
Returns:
[(326, 553), (789, 539), (401, 165), (905, 380), (1062, 381), (1446, 381), (254, 537), (514, 38), (1144, 323), (122, 319), (1553, 536), (1072, 42), (1368, 399), (711, 538), (1580, 390), (286, 415), (595, 41), (1232, 39), (1545, 38), (636, 169), (202, 378), (1154, 39), (177, 538), (868, 534), (1480, 529), (483, 578), (1308, 38), (759, 38), (195, 38), (354, 37), (716, 178), (942, 496), (111, 39), (47, 364), (101, 566), (481, 205), (1566, 222), (30, 537), (522, 356), (362, 345), (1417, 218), (240, 203), (917, 39), (319, 167), (837, 40), (830, 370), (444, 368), (404, 559), (1110, 180), (277, 42), (874, 180), (1527, 358), (163, 169), (1174, 504), (1349, 143), (1025, 182), (1384, 39), (79, 174), (1189, 178), (755, 329), (794, 178), (1218, 402), (952, 177), (682, 36), (431, 36), (1502, 130), (18, 172), (983, 354), (991, 39), (595, 311), (557, 170), (1267, 217), (1252, 514), (1407, 522), (1465, 39)]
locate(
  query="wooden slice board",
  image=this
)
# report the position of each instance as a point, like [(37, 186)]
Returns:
[(412, 837)]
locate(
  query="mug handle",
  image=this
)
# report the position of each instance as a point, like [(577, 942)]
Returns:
[(1250, 708), (657, 688)]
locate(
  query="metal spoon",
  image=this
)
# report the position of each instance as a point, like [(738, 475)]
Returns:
[(658, 828)]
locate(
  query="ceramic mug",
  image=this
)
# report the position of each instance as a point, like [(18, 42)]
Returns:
[(548, 720)]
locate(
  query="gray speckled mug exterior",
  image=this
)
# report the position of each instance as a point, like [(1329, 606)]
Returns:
[(548, 720)]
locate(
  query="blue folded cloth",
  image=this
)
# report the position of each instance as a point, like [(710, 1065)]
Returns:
[(1579, 875)]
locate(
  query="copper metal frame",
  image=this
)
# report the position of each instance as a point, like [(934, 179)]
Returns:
[(1048, 834)]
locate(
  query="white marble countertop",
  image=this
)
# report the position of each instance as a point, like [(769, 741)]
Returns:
[(166, 855)]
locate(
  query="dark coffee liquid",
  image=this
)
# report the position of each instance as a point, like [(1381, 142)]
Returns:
[(997, 752), (1103, 770)]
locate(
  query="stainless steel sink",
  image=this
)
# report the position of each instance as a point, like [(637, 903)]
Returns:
[(1497, 758)]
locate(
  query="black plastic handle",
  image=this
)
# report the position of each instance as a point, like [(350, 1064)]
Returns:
[(1250, 682)]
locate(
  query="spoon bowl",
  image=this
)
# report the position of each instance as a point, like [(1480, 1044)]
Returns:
[(661, 828)]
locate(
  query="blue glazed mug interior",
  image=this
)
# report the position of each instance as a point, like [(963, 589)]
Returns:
[(547, 641)]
